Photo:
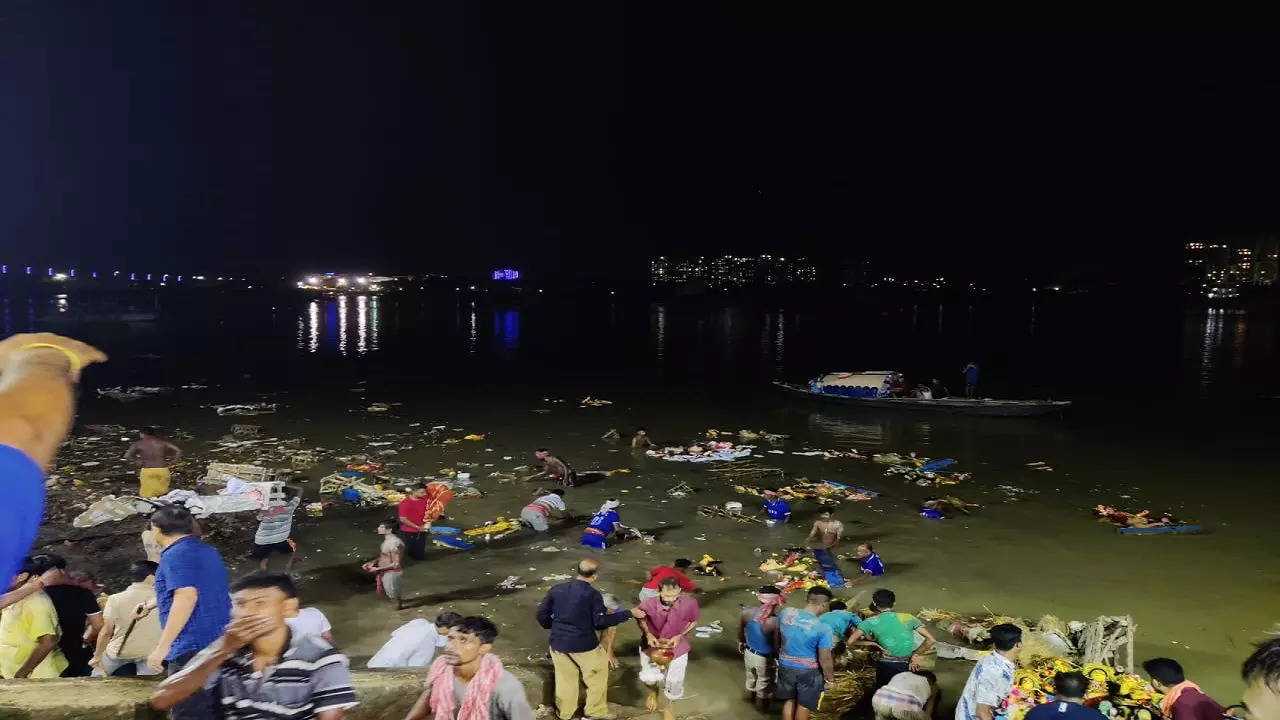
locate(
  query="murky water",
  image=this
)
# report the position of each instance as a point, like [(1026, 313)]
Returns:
[(1175, 409)]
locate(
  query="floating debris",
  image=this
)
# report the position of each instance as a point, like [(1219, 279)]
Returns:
[(246, 409), (129, 394)]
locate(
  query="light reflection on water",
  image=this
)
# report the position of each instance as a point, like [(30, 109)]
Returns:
[(362, 324), (342, 324)]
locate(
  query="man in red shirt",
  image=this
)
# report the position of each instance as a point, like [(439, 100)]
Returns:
[(414, 523), (675, 570)]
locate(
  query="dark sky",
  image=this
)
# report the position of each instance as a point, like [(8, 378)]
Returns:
[(459, 136)]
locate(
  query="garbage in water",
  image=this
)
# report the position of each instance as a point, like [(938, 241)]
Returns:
[(246, 409), (556, 578), (826, 492), (1040, 465), (708, 452), (378, 408), (473, 437), (613, 434), (245, 432), (128, 394), (594, 402), (512, 583), (945, 507)]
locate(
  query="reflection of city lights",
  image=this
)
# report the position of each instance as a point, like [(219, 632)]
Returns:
[(362, 324), (362, 281), (342, 281), (313, 317), (60, 277), (310, 280), (342, 324)]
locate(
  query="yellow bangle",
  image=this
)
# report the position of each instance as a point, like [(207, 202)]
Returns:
[(76, 365)]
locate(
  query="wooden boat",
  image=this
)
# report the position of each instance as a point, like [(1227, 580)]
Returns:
[(961, 406)]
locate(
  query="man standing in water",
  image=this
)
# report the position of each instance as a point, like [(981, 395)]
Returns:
[(805, 665), (414, 525), (971, 380), (553, 468), (574, 612), (388, 568), (153, 453), (826, 530), (758, 641), (664, 658)]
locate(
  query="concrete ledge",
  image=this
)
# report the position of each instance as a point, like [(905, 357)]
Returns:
[(383, 694)]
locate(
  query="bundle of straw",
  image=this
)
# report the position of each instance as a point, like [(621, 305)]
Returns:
[(850, 687)]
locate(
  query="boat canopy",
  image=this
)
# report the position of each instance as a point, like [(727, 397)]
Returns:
[(866, 378)]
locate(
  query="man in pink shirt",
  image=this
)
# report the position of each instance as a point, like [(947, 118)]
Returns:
[(664, 657)]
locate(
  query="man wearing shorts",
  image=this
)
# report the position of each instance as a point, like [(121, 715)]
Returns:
[(805, 664), (154, 455), (389, 567), (536, 513), (275, 524)]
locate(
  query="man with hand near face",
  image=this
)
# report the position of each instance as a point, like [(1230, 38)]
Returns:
[(245, 667)]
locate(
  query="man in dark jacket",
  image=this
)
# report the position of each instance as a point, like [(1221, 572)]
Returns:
[(574, 612)]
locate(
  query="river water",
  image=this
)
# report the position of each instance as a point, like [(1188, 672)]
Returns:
[(1175, 409)]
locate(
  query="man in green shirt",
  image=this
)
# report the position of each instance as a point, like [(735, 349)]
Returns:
[(896, 634)]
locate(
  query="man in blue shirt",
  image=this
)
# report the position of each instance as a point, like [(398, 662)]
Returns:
[(1068, 689), (777, 508), (193, 598), (758, 642), (804, 661), (37, 372), (971, 380), (839, 620), (574, 612), (602, 525)]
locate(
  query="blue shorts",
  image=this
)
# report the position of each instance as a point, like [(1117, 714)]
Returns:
[(593, 541)]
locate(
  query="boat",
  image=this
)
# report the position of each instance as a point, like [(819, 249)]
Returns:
[(863, 389)]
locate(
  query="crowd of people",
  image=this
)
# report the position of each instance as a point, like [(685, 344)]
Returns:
[(248, 649)]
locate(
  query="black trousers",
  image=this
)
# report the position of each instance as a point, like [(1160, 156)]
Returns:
[(415, 544)]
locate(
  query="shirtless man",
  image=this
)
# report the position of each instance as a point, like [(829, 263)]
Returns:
[(826, 530), (152, 453), (389, 566), (553, 468), (641, 441)]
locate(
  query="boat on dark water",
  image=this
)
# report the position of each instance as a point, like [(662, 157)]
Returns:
[(867, 389)]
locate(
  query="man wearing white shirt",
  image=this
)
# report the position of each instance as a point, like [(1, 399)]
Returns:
[(414, 643), (310, 621), (536, 513)]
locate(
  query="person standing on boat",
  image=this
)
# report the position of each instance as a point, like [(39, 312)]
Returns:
[(971, 380)]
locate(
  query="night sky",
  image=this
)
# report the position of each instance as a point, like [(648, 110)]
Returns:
[(456, 136)]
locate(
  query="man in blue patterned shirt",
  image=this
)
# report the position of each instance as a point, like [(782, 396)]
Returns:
[(992, 678)]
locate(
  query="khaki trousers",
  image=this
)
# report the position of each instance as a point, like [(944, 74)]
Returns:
[(589, 668), (760, 672)]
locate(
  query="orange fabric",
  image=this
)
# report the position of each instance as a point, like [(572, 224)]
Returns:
[(1171, 697), (438, 497)]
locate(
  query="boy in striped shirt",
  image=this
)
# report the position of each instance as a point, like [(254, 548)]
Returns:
[(258, 669)]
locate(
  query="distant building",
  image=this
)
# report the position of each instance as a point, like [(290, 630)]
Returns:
[(1222, 265), (734, 271)]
